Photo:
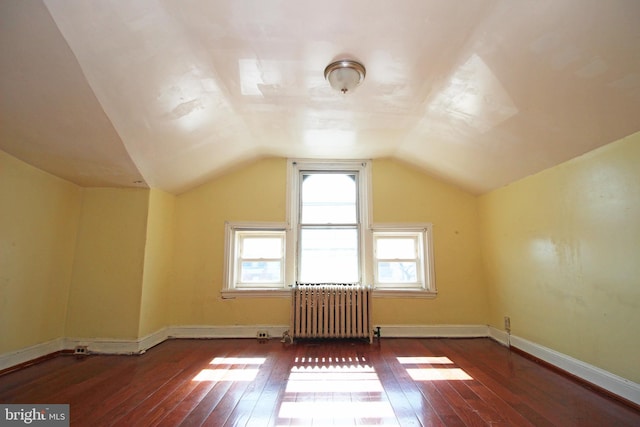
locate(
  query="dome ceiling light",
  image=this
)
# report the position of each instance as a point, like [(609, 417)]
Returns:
[(345, 75)]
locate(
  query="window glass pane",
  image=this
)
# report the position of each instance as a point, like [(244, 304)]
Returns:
[(328, 198), (397, 272), (261, 247), (260, 272), (329, 255), (396, 248)]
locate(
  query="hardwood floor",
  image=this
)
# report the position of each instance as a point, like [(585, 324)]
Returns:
[(238, 382)]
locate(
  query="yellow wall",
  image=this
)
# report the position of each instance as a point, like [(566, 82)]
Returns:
[(158, 257), (105, 295), (38, 220), (404, 194), (258, 193), (562, 256)]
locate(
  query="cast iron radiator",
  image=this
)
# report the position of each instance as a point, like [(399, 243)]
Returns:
[(331, 310)]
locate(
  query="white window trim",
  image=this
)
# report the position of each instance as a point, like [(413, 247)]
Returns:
[(429, 290), (367, 261), (228, 289), (363, 168)]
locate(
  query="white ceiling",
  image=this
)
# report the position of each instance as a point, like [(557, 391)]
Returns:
[(169, 93)]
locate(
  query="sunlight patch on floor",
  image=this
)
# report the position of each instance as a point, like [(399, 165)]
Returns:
[(238, 361), (431, 360), (431, 373), (335, 390), (438, 374), (336, 410), (226, 375)]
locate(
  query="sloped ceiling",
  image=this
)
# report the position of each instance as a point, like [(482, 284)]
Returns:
[(169, 93)]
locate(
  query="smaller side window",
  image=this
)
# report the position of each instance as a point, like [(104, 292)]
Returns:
[(259, 258), (397, 258), (255, 257), (402, 258)]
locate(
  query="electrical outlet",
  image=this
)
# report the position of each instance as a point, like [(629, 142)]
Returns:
[(507, 324), (80, 350), (263, 335)]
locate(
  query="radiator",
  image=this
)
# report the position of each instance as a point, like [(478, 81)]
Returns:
[(331, 311)]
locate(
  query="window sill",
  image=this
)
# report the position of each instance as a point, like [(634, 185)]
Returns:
[(404, 293), (286, 293), (255, 293)]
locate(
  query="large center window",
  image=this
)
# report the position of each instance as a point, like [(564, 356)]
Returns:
[(328, 227), (328, 219)]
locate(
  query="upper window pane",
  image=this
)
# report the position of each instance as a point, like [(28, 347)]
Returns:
[(328, 198), (261, 247), (396, 248)]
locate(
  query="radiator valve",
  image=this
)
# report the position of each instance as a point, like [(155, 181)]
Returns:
[(286, 338)]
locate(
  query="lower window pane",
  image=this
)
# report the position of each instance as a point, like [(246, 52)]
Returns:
[(397, 272), (329, 255), (260, 272)]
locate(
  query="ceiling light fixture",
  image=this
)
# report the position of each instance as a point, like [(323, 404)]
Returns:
[(345, 75)]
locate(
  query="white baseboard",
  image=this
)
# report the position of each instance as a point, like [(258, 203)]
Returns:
[(28, 354), (118, 346), (104, 345), (619, 386), (433, 331), (501, 337), (153, 339), (230, 331)]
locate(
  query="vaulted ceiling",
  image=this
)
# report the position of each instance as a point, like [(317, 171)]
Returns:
[(170, 93)]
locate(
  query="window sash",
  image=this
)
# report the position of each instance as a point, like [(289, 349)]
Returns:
[(421, 260), (347, 204), (241, 261), (303, 265), (236, 264), (325, 264), (416, 272), (243, 236)]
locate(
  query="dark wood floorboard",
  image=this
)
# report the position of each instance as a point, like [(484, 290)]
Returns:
[(244, 382)]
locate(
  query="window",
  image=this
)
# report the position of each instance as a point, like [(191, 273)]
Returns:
[(327, 238), (329, 218), (397, 258), (402, 258), (260, 256), (255, 258), (328, 228)]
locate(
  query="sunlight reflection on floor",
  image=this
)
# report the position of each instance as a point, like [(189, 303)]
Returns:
[(335, 390)]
